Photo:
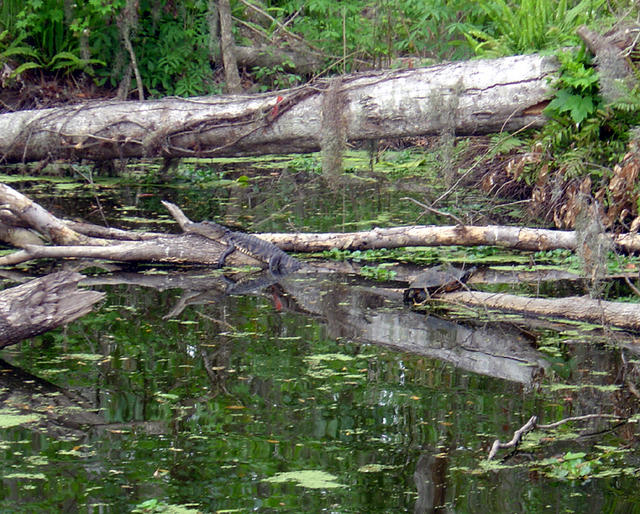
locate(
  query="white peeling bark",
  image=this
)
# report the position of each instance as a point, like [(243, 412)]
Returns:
[(473, 97), (521, 238)]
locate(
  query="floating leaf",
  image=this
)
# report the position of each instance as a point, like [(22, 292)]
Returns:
[(329, 357), (27, 476), (375, 468), (84, 356), (11, 419), (309, 478)]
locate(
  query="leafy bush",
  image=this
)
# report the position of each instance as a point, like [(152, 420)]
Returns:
[(173, 54), (53, 35), (575, 155)]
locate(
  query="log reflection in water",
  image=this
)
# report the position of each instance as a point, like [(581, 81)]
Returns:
[(377, 316)]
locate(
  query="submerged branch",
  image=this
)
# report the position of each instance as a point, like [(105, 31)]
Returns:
[(517, 437), (532, 425)]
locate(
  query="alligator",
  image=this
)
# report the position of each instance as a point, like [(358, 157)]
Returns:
[(264, 251)]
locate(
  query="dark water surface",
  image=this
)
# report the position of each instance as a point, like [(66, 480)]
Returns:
[(323, 393)]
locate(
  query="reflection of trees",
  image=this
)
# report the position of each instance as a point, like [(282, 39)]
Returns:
[(350, 309), (371, 315)]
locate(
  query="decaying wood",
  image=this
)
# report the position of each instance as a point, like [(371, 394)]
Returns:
[(517, 437), (619, 314), (288, 59), (42, 304), (481, 96), (32, 215), (113, 244)]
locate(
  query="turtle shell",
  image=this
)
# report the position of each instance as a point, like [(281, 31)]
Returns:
[(436, 280)]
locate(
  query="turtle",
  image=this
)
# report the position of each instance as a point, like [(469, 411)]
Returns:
[(436, 280)]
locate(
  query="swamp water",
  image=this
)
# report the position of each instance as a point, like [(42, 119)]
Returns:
[(323, 393)]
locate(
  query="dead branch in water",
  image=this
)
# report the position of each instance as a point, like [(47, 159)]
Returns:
[(532, 425)]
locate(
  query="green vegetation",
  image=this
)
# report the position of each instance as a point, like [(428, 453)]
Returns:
[(529, 26), (268, 409), (177, 52), (585, 135), (378, 272)]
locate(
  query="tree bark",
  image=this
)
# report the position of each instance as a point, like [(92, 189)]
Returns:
[(473, 97), (112, 244), (127, 22), (42, 304), (271, 56)]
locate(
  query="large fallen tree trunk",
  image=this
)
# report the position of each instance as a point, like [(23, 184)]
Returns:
[(42, 304), (625, 315), (473, 97)]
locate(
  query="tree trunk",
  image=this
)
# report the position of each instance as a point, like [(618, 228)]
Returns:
[(227, 47), (42, 304), (473, 97), (272, 56)]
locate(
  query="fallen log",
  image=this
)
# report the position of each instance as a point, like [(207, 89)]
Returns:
[(474, 97), (72, 240), (42, 304), (268, 56), (517, 238), (580, 308), (78, 240)]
